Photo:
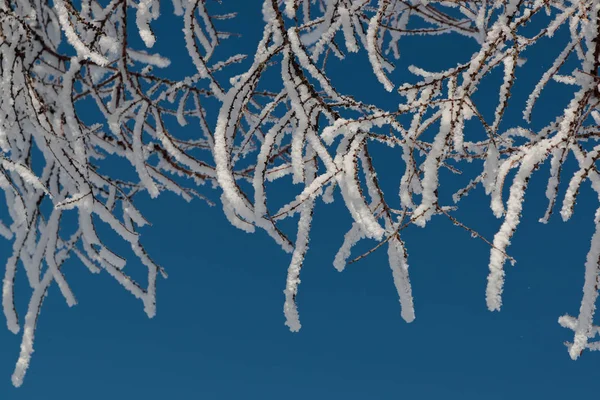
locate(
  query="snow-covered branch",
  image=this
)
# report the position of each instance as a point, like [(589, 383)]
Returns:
[(84, 84)]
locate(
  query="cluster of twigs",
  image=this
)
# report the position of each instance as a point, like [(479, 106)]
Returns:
[(65, 107), (306, 131), (326, 134)]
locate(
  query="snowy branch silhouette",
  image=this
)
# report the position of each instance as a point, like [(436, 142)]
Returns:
[(81, 91)]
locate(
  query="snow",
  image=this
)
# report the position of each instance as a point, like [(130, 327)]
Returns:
[(282, 122)]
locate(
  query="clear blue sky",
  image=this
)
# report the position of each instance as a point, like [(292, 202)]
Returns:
[(219, 332)]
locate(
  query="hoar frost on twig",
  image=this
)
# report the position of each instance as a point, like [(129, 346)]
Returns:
[(306, 131)]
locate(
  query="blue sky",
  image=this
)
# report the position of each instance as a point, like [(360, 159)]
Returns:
[(219, 331)]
